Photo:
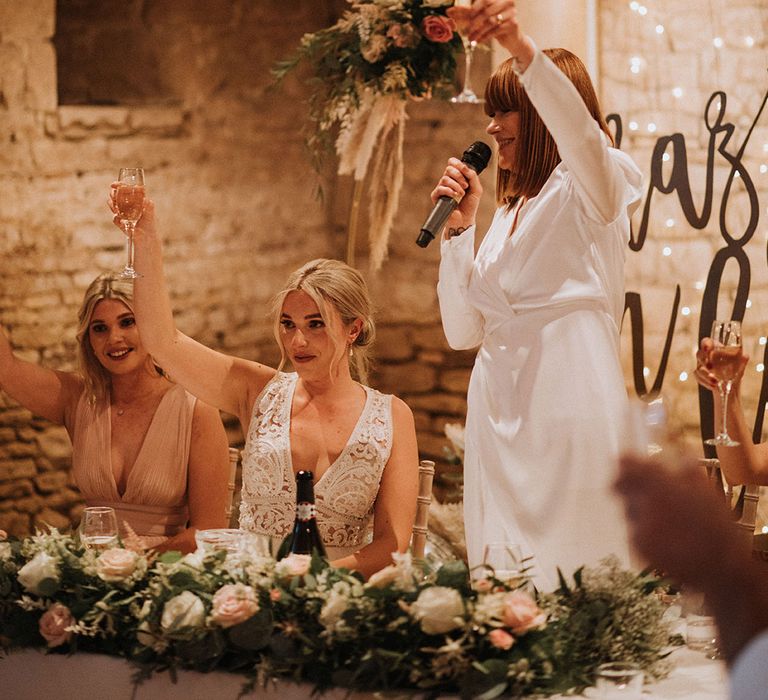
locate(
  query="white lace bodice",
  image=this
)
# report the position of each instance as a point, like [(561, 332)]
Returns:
[(344, 494)]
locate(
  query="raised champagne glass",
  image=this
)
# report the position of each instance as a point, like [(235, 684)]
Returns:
[(725, 358), (461, 17), (129, 202)]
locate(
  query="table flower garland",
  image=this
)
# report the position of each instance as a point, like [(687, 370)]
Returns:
[(301, 620), (363, 69)]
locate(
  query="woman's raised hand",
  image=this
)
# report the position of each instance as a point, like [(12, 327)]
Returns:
[(146, 222), (461, 183), (703, 373), (497, 19)]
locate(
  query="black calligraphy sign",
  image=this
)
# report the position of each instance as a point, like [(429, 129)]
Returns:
[(678, 182)]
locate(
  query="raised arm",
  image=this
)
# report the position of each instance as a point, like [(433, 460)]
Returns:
[(47, 393), (395, 508), (608, 182), (208, 471), (746, 463), (228, 383)]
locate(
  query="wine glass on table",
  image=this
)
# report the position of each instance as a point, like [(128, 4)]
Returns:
[(505, 560), (129, 203), (98, 528), (724, 360), (460, 15)]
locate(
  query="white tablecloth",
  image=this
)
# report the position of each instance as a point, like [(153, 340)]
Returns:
[(31, 675)]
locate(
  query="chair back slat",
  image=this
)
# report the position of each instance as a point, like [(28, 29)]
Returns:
[(423, 501)]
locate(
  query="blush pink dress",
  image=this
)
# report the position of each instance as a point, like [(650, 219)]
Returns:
[(154, 504)]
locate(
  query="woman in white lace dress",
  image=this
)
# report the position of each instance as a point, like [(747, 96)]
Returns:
[(359, 443)]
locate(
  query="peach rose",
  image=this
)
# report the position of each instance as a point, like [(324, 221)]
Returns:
[(501, 639), (233, 604), (521, 612), (275, 594), (116, 564), (3, 535), (438, 28), (54, 623)]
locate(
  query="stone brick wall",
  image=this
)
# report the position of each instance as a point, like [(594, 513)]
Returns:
[(225, 163)]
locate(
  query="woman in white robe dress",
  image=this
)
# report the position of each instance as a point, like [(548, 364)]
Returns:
[(543, 299)]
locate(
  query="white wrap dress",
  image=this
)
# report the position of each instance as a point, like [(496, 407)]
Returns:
[(544, 305)]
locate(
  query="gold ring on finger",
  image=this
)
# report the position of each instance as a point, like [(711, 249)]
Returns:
[(500, 19)]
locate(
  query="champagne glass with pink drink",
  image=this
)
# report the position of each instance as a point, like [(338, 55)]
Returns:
[(725, 359), (129, 203)]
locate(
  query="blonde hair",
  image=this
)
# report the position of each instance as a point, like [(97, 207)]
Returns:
[(97, 380), (504, 93), (343, 287)]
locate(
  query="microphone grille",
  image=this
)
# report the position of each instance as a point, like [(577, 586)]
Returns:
[(477, 156)]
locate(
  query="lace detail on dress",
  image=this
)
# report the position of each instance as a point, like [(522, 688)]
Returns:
[(346, 492)]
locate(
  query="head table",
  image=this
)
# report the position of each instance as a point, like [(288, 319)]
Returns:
[(31, 675)]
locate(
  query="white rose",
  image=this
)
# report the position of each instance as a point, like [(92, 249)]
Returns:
[(5, 550), (42, 566), (439, 609), (116, 564), (436, 3), (334, 607), (183, 610)]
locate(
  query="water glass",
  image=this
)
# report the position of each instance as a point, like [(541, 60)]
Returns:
[(217, 539), (619, 681), (700, 632), (98, 527), (505, 560)]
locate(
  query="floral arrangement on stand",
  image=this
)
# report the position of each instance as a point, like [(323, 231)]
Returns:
[(405, 629), (364, 69)]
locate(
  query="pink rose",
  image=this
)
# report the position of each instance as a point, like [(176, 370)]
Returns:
[(438, 28), (521, 612), (501, 639), (275, 594), (482, 585), (116, 564), (53, 624), (3, 535), (233, 604)]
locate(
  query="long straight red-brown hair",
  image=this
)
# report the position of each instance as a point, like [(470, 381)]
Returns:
[(534, 146)]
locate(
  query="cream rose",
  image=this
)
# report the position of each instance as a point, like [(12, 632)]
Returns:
[(6, 551), (438, 28), (439, 609), (333, 608), (521, 612), (501, 639), (41, 567), (293, 565), (53, 625), (116, 564), (233, 604), (183, 610)]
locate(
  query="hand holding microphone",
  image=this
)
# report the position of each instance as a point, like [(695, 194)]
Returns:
[(458, 180)]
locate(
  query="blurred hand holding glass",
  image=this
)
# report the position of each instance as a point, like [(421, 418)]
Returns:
[(724, 361), (98, 527), (461, 14)]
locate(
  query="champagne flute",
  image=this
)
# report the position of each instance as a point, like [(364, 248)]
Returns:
[(129, 202), (98, 527), (725, 358), (467, 94)]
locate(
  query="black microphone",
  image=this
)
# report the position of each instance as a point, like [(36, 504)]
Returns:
[(476, 157)]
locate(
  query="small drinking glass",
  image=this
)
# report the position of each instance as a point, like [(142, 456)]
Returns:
[(725, 358), (701, 634), (505, 560), (223, 538), (129, 203), (619, 681), (467, 94), (98, 528)]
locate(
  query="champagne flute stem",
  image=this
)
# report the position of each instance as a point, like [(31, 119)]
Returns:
[(469, 50), (725, 390)]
